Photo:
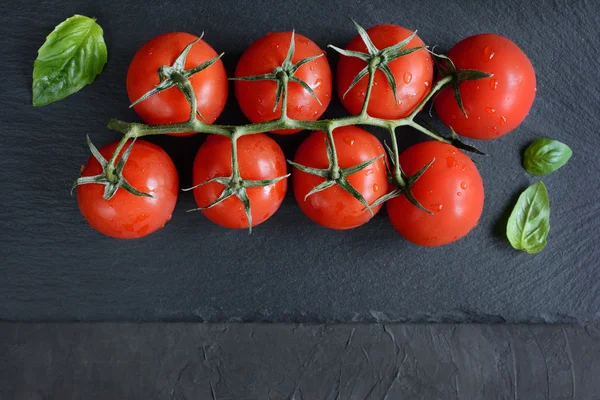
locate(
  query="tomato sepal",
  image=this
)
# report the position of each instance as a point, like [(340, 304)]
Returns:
[(112, 176), (405, 189), (334, 175), (176, 75), (377, 59), (235, 187), (458, 75), (284, 74)]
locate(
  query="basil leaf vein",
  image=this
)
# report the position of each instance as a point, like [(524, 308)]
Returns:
[(73, 54)]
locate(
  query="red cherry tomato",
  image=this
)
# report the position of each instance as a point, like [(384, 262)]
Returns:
[(413, 74), (257, 98), (259, 158), (451, 189), (170, 106), (334, 207), (496, 105), (127, 216)]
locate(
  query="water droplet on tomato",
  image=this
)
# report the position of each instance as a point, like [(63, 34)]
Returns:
[(477, 87), (312, 68), (502, 120), (458, 193), (463, 185), (318, 83), (374, 83), (426, 83), (349, 140), (375, 188), (493, 84), (407, 77), (478, 117), (259, 100), (316, 113), (490, 110), (488, 53), (451, 161), (369, 171), (436, 207)]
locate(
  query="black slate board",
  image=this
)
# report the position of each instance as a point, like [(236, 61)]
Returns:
[(287, 361), (55, 268)]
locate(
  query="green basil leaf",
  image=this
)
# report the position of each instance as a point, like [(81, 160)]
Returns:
[(70, 58), (529, 222), (544, 156)]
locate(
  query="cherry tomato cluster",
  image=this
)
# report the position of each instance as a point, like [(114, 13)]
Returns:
[(340, 177)]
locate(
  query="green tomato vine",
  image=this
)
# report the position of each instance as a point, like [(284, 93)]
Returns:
[(234, 185)]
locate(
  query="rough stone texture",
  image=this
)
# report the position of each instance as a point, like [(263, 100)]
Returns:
[(53, 267), (285, 361)]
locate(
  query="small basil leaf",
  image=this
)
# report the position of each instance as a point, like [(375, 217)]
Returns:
[(70, 58), (544, 156), (529, 222)]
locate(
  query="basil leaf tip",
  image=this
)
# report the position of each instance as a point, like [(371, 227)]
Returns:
[(70, 58)]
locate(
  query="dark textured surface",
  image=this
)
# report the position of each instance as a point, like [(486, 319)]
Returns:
[(316, 362), (55, 268)]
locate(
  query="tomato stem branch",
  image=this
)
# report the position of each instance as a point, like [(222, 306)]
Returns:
[(110, 167), (365, 106), (427, 132), (434, 90), (334, 167), (284, 96), (235, 170), (397, 174)]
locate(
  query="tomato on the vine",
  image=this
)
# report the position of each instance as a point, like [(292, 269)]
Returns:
[(257, 98), (451, 188), (495, 105), (259, 158), (334, 207), (170, 106), (148, 169), (413, 74)]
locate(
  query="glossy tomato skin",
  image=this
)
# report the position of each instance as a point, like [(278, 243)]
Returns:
[(257, 98), (413, 73), (496, 105), (126, 216), (259, 157), (334, 207), (170, 106), (451, 188)]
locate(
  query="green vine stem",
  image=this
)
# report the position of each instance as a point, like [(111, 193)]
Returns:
[(175, 76)]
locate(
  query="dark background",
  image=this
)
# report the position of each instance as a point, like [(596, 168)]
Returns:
[(54, 267)]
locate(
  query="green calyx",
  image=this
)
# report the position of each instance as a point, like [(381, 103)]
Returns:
[(177, 76), (334, 175), (112, 175), (284, 74), (402, 182), (447, 68), (235, 185), (377, 59)]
